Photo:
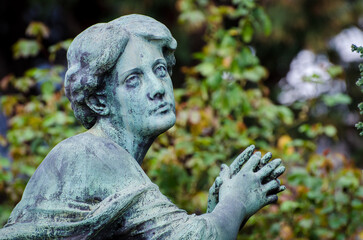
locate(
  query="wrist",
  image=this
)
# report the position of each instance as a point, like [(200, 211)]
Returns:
[(228, 216)]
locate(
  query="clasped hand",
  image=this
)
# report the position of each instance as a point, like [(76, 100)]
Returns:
[(251, 179)]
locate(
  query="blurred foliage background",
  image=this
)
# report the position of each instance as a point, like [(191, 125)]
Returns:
[(270, 73)]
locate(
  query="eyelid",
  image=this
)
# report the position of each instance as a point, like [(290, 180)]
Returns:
[(132, 73), (159, 62), (161, 67)]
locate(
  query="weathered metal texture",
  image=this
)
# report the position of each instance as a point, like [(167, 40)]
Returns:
[(91, 186)]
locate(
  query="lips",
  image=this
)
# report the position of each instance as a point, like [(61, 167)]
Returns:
[(162, 108)]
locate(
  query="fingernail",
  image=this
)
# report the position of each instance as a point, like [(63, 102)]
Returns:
[(266, 158), (219, 182), (251, 147), (249, 150), (278, 160)]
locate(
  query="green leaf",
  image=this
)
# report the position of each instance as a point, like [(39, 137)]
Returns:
[(306, 223), (341, 198), (47, 88), (247, 31), (330, 131), (348, 180), (37, 29), (360, 82), (289, 206), (335, 70), (23, 83), (336, 221), (194, 17), (255, 74), (4, 162), (206, 68), (336, 99), (24, 48), (63, 45)]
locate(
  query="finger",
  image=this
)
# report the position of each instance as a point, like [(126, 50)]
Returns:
[(212, 188), (218, 183), (264, 160), (277, 172), (224, 174), (271, 199), (212, 199), (253, 161), (269, 168), (281, 188), (271, 186), (241, 159), (213, 196), (211, 205)]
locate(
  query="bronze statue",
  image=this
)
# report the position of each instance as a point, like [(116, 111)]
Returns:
[(91, 186)]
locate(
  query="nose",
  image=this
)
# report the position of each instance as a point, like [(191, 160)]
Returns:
[(156, 88)]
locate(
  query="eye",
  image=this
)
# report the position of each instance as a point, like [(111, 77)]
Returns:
[(160, 71), (133, 81)]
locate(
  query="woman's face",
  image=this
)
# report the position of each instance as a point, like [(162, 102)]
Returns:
[(142, 99)]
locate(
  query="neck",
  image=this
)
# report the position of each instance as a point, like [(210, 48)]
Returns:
[(134, 144)]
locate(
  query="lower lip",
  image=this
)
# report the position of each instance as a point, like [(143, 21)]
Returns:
[(163, 110)]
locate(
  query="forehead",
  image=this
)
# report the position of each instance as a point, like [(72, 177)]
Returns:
[(139, 53)]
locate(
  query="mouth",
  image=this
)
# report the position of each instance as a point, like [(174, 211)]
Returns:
[(163, 108)]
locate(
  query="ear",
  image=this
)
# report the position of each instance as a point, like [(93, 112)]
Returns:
[(98, 104)]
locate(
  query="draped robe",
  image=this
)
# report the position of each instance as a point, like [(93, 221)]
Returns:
[(88, 187)]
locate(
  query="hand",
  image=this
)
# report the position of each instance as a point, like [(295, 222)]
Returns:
[(213, 197), (252, 187)]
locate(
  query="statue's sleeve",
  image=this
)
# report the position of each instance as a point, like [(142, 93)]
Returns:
[(138, 212), (103, 194), (150, 215)]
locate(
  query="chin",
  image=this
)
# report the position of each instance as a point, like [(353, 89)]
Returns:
[(162, 124)]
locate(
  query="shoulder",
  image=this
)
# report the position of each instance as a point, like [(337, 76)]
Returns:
[(83, 142), (87, 148), (88, 151), (91, 162)]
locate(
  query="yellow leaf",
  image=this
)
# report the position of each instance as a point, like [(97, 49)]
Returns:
[(227, 62), (360, 235), (283, 142), (37, 29), (286, 232)]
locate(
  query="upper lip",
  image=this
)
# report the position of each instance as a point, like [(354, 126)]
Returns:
[(162, 107)]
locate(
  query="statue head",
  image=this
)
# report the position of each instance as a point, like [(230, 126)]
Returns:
[(97, 65)]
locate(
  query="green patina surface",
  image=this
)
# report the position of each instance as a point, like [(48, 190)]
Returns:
[(91, 186)]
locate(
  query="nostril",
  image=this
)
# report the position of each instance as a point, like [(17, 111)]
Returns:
[(156, 95)]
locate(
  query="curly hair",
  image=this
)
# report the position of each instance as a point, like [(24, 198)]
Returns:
[(94, 53)]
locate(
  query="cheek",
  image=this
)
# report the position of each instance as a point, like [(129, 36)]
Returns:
[(170, 89), (136, 106)]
